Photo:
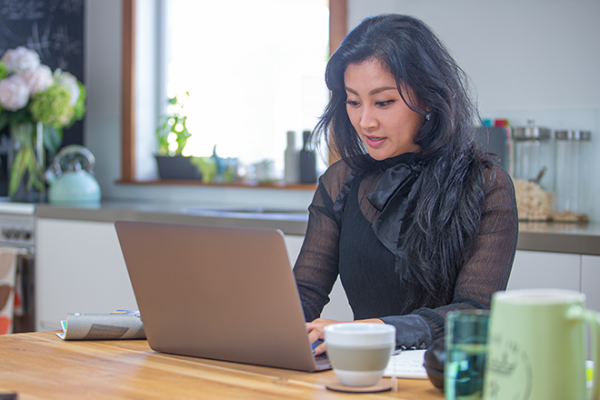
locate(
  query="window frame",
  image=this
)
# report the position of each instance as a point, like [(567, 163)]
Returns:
[(338, 26)]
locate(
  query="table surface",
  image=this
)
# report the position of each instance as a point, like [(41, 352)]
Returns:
[(42, 366)]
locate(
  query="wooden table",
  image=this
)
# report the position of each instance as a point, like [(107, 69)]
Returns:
[(42, 366)]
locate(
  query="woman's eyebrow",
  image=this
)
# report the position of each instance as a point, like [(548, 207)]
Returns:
[(374, 91)]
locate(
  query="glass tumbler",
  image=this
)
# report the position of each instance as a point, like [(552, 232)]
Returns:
[(466, 349)]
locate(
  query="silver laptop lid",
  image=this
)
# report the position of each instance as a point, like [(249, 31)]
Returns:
[(220, 293)]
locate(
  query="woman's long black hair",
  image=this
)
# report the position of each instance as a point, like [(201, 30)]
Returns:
[(449, 192)]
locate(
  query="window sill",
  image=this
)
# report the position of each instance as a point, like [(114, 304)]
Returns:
[(249, 185)]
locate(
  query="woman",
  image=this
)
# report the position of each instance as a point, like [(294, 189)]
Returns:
[(415, 218)]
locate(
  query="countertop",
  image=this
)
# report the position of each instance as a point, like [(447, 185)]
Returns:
[(574, 238)]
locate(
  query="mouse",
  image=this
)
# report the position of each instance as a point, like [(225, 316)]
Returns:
[(434, 362)]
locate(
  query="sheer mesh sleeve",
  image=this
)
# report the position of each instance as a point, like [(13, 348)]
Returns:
[(486, 272), (488, 269), (317, 266)]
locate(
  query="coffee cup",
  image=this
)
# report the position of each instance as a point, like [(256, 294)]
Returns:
[(359, 352), (537, 346)]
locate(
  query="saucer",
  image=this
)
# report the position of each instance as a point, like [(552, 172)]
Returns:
[(381, 386)]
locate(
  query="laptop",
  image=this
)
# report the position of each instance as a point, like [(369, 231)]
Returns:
[(219, 293)]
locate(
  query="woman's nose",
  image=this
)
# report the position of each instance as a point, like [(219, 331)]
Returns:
[(367, 119)]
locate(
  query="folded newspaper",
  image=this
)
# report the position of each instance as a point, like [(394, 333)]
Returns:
[(122, 324)]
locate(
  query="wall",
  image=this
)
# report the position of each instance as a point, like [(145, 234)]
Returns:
[(526, 58)]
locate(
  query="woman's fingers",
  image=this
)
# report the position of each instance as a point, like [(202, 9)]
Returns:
[(316, 331), (320, 349)]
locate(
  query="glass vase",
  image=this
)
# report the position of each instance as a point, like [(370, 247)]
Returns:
[(26, 182)]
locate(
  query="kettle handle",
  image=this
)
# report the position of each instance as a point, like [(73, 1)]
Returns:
[(55, 169)]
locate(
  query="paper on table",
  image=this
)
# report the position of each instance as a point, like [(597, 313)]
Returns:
[(408, 364), (121, 325)]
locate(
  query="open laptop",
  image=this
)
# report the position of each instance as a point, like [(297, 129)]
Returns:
[(219, 293)]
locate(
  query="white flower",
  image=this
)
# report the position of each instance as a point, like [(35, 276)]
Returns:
[(14, 93), (68, 80), (20, 60), (39, 79)]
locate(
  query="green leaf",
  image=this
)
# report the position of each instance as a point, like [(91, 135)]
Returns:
[(52, 139), (17, 172), (34, 172)]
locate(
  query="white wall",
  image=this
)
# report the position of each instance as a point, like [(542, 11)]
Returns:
[(527, 59)]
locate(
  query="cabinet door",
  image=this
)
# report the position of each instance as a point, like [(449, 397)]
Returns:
[(590, 281), (79, 268), (536, 269)]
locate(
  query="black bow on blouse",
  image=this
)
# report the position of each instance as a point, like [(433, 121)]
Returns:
[(391, 197)]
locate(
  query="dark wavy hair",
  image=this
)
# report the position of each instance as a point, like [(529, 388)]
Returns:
[(445, 217)]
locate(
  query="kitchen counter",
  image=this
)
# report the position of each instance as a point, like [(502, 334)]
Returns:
[(534, 236), (290, 221)]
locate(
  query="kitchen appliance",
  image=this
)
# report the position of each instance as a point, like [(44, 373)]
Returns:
[(71, 177), (17, 232), (495, 139)]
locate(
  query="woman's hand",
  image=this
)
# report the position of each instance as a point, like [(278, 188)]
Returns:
[(316, 330)]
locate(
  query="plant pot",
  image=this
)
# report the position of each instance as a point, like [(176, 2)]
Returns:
[(177, 168)]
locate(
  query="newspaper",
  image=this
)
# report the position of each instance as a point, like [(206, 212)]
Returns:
[(118, 325)]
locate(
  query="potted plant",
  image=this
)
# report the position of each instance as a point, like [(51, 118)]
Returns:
[(35, 104), (172, 135)]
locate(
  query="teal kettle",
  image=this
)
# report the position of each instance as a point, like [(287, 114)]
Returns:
[(71, 178)]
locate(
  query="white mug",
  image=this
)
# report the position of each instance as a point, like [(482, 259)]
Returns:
[(537, 346), (359, 352)]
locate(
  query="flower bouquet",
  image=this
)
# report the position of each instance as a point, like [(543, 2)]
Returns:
[(35, 104)]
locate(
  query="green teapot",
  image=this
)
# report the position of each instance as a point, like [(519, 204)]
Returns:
[(71, 178)]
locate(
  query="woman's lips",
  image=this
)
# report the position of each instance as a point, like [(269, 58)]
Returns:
[(374, 141)]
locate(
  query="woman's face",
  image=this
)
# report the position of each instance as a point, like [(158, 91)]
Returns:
[(385, 124)]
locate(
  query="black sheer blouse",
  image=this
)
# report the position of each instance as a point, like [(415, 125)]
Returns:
[(353, 229)]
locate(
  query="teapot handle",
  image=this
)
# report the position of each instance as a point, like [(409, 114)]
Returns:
[(72, 149)]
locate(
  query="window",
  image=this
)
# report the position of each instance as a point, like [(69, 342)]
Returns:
[(251, 88), (251, 76)]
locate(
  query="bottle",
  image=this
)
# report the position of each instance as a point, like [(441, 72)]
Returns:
[(308, 162), (291, 160)]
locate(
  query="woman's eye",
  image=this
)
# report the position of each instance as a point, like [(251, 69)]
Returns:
[(352, 103), (384, 103)]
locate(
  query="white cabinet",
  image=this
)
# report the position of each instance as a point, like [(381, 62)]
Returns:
[(590, 281), (79, 268), (535, 269)]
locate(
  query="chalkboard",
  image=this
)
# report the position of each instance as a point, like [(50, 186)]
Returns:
[(54, 29)]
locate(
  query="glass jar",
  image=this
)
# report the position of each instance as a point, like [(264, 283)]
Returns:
[(533, 171), (573, 158)]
